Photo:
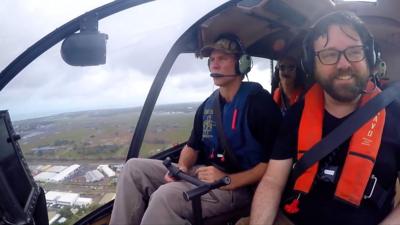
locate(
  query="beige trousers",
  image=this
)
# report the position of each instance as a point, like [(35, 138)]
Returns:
[(143, 197)]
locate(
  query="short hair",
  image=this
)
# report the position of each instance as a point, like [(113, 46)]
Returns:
[(228, 43), (341, 18)]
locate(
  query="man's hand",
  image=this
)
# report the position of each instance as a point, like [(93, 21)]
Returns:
[(209, 174), (168, 178)]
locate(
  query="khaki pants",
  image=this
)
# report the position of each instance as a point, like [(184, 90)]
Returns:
[(142, 184)]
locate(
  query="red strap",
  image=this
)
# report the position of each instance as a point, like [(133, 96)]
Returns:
[(292, 207), (235, 112), (310, 132), (277, 96)]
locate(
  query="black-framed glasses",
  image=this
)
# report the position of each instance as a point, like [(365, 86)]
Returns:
[(332, 56), (289, 68)]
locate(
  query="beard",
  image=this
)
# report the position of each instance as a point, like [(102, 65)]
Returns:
[(346, 92)]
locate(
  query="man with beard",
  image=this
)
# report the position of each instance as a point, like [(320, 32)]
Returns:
[(355, 183)]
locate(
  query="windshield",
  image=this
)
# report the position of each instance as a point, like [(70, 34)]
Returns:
[(77, 123), (32, 19)]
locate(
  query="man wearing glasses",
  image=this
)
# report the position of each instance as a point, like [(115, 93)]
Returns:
[(355, 183)]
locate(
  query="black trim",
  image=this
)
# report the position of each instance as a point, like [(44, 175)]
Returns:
[(172, 153), (186, 43)]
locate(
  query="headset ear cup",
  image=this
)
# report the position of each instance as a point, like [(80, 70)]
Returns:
[(380, 70), (244, 64)]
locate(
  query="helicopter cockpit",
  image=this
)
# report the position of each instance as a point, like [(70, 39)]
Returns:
[(139, 101)]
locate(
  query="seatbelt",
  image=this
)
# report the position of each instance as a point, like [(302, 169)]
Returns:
[(346, 129), (230, 156)]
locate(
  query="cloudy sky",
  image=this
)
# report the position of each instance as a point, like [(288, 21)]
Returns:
[(139, 39)]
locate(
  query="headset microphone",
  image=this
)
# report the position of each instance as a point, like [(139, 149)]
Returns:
[(216, 75)]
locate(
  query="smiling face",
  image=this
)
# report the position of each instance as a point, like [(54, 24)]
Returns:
[(344, 81)]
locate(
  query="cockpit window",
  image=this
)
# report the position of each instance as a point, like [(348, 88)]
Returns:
[(76, 123)]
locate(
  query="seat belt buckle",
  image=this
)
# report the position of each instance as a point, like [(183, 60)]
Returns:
[(374, 180)]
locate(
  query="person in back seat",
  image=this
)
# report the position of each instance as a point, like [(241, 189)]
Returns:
[(287, 83), (355, 183), (146, 194)]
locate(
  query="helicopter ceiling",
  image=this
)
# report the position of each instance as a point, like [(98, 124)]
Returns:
[(270, 28)]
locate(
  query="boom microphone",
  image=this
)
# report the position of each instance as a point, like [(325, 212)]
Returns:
[(216, 75)]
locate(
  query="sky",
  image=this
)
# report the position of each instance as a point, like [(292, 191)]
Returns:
[(138, 41)]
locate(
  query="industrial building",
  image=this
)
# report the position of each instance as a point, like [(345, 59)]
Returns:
[(83, 202), (56, 173), (71, 170), (93, 176), (44, 176), (67, 199), (106, 170)]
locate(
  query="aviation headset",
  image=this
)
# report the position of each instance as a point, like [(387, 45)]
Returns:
[(371, 54), (244, 61)]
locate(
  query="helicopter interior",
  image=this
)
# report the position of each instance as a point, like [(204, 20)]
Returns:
[(267, 28)]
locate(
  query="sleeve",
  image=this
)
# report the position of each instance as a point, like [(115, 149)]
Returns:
[(286, 142), (195, 141), (264, 119)]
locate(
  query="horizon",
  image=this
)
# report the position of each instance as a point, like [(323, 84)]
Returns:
[(44, 115)]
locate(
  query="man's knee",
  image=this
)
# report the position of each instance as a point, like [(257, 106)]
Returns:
[(133, 164), (131, 169), (136, 167)]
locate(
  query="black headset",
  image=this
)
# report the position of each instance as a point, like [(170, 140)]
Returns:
[(244, 61), (307, 61)]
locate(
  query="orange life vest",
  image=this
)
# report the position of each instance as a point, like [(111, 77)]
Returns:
[(277, 96), (362, 153)]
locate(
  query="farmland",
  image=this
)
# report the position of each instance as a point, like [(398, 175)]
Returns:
[(102, 134)]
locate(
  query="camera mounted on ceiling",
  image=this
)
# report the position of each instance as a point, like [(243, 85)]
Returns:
[(86, 48)]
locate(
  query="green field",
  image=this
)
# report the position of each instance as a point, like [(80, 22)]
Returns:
[(103, 134)]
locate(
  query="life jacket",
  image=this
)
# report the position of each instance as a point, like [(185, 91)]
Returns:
[(362, 153), (235, 126), (279, 96)]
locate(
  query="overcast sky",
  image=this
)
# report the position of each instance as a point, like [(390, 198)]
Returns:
[(139, 39)]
